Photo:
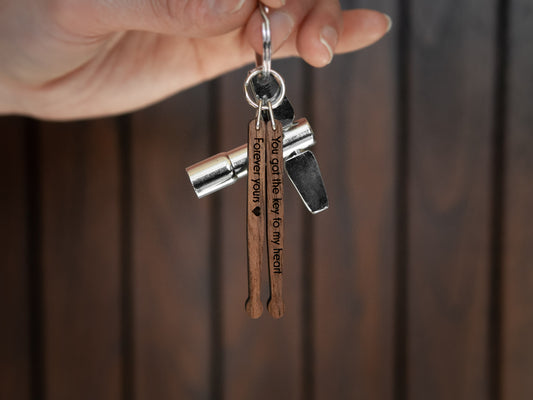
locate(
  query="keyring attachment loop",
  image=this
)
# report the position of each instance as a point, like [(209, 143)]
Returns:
[(267, 39), (275, 102), (258, 117)]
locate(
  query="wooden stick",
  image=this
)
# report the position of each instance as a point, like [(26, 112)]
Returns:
[(275, 215), (255, 219)]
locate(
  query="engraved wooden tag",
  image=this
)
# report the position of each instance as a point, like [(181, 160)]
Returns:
[(275, 215), (255, 219)]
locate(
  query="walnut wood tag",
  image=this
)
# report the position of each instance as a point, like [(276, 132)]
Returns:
[(275, 215), (255, 219)]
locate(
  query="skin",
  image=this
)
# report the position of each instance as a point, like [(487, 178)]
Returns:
[(69, 59)]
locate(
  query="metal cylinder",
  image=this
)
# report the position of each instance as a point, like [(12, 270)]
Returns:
[(224, 169)]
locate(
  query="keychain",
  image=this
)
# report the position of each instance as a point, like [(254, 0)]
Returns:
[(277, 144)]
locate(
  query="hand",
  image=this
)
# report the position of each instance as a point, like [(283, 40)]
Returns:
[(64, 59)]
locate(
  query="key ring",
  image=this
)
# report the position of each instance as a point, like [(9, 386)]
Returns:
[(276, 101), (267, 42)]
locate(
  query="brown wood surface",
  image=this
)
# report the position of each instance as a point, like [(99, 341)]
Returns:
[(15, 351), (80, 181), (275, 217), (255, 215), (517, 266), (450, 122), (353, 249), (261, 358), (170, 251)]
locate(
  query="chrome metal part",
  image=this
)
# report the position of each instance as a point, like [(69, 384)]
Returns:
[(267, 39), (224, 169)]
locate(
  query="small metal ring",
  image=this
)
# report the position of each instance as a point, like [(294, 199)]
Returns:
[(267, 43), (271, 113), (275, 102)]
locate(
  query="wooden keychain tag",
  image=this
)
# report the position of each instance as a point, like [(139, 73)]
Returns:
[(275, 214), (255, 216)]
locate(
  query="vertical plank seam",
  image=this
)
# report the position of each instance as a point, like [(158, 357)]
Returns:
[(35, 273), (498, 201), (215, 254), (125, 251), (402, 202), (307, 267), (307, 325)]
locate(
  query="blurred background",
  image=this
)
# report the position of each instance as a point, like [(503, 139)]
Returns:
[(116, 282)]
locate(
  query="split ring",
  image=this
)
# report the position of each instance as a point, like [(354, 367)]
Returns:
[(275, 101), (267, 42)]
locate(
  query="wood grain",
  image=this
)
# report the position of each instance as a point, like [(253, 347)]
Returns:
[(275, 216), (81, 260), (15, 352), (353, 251), (262, 358), (451, 94), (255, 215), (171, 251), (517, 268)]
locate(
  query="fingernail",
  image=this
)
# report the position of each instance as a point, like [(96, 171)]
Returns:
[(281, 25), (226, 6), (389, 21), (328, 37)]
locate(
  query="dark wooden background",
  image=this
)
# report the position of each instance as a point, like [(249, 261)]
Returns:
[(417, 283)]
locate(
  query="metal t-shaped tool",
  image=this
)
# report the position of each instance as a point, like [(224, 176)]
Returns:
[(224, 169)]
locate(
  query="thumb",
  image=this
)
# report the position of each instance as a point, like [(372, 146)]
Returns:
[(196, 18)]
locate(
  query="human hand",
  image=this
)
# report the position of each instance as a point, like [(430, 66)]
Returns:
[(65, 59)]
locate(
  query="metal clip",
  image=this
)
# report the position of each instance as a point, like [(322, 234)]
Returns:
[(305, 175)]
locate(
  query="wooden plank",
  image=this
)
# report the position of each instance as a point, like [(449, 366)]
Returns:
[(171, 251), (81, 260), (517, 271), (261, 357), (354, 267), (451, 88), (15, 356)]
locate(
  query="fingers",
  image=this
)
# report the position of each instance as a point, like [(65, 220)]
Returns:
[(200, 18), (283, 22), (316, 30), (360, 28), (319, 34), (274, 3)]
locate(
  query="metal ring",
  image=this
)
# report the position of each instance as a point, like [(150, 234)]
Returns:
[(275, 102), (258, 120), (267, 41), (272, 119)]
